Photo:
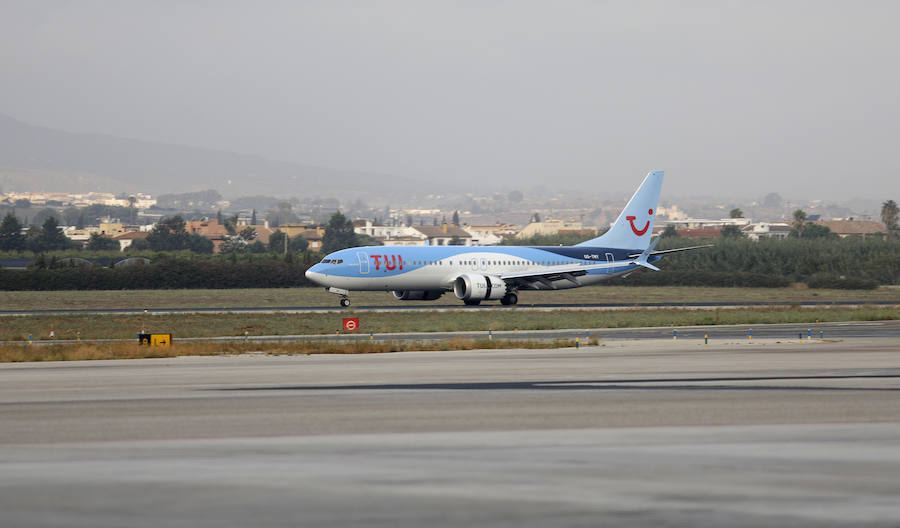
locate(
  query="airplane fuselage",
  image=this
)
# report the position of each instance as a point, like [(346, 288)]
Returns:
[(392, 268)]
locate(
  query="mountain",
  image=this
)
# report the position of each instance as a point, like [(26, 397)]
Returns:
[(35, 158)]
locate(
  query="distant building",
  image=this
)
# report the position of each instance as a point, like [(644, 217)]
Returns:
[(211, 229), (851, 227), (777, 230), (126, 239), (484, 235), (553, 227), (699, 233), (445, 235), (701, 223), (314, 238)]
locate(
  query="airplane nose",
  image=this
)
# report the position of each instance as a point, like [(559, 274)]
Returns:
[(314, 276)]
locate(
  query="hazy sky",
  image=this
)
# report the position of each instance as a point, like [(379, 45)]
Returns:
[(730, 98)]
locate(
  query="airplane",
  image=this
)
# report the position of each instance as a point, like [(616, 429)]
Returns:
[(489, 273)]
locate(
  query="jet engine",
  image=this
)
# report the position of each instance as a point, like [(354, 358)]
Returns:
[(471, 287), (417, 295)]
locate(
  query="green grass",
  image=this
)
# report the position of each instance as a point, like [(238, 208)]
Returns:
[(255, 298), (14, 328)]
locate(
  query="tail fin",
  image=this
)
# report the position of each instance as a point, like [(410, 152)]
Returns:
[(633, 228)]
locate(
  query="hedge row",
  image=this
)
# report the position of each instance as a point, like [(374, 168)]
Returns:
[(165, 274), (836, 282), (703, 278)]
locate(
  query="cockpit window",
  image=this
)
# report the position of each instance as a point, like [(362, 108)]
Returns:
[(332, 261)]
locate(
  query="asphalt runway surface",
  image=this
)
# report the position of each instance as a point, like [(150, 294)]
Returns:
[(632, 433), (430, 306)]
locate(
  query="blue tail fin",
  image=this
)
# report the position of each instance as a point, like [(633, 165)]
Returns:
[(634, 227)]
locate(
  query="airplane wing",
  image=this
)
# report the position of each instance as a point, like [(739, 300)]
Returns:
[(547, 275), (676, 250)]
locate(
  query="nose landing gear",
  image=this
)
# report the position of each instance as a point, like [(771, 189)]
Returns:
[(345, 295)]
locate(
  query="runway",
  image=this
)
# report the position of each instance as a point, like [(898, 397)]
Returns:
[(632, 433), (448, 307)]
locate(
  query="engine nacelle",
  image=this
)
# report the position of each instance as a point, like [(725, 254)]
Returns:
[(417, 295), (471, 287)]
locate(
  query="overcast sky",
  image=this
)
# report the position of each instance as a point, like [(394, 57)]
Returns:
[(730, 98)]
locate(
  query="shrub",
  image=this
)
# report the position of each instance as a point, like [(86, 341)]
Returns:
[(836, 282)]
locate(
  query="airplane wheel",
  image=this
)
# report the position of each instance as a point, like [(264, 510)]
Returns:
[(509, 299), (472, 302), (345, 302)]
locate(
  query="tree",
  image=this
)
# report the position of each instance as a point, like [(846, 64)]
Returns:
[(294, 244), (43, 215), (248, 233), (889, 214), (731, 231), (99, 242), (233, 244), (282, 215), (536, 218), (11, 237), (366, 240), (339, 234), (141, 244), (455, 219), (799, 222), (669, 232), (231, 225), (811, 230), (131, 202), (276, 241), (169, 234), (736, 213), (198, 243), (253, 218), (49, 237)]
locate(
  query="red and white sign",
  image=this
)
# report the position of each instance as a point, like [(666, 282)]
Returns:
[(351, 325)]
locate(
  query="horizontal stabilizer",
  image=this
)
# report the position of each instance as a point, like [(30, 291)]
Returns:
[(676, 250)]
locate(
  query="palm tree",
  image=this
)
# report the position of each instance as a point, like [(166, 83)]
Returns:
[(889, 214), (799, 221), (131, 201), (736, 213)]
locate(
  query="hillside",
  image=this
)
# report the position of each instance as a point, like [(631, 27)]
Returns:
[(34, 158)]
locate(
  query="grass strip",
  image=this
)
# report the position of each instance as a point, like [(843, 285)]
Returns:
[(275, 297), (95, 351), (18, 328)]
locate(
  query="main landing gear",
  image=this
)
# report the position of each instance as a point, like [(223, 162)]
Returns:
[(345, 302), (509, 299)]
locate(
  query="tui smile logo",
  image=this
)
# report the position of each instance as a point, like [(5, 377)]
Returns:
[(639, 232)]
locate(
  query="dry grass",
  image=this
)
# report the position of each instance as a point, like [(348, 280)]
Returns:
[(92, 351), (17, 328)]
